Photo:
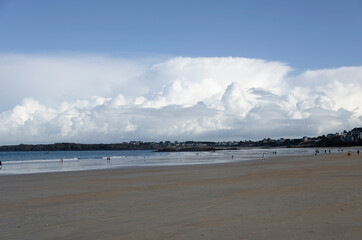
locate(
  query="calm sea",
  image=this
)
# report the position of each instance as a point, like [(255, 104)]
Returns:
[(57, 161)]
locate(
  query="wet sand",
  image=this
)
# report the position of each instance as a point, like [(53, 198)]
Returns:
[(314, 197)]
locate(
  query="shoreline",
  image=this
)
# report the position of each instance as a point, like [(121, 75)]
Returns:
[(304, 197), (87, 162), (140, 167)]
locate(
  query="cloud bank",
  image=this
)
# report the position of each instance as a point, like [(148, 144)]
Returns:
[(93, 99)]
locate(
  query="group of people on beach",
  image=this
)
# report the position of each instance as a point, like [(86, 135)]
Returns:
[(339, 150), (325, 151)]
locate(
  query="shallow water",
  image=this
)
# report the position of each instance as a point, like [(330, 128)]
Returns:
[(58, 161)]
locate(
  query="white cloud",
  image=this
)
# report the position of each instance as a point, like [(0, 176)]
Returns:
[(102, 99), (52, 79)]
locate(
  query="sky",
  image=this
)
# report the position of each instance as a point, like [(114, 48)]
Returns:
[(113, 71)]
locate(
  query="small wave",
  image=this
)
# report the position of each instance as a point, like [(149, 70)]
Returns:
[(87, 158), (70, 159), (113, 157), (41, 161)]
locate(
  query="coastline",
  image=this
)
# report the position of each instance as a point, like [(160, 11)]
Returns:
[(35, 162), (305, 197)]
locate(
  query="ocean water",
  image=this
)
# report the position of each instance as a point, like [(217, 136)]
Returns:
[(58, 161)]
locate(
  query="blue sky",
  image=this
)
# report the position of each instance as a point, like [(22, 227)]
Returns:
[(304, 34), (113, 71)]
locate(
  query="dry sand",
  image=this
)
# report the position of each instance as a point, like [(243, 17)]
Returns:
[(315, 197)]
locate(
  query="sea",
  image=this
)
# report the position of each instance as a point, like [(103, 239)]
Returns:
[(60, 161)]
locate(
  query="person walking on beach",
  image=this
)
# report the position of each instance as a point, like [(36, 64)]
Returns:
[(357, 154), (1, 165)]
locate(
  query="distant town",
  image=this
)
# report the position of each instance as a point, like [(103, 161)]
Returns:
[(343, 139)]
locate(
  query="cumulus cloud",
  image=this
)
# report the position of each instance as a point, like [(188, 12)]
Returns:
[(52, 79), (102, 99)]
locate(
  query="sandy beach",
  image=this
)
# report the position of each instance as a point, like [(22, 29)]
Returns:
[(313, 197)]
